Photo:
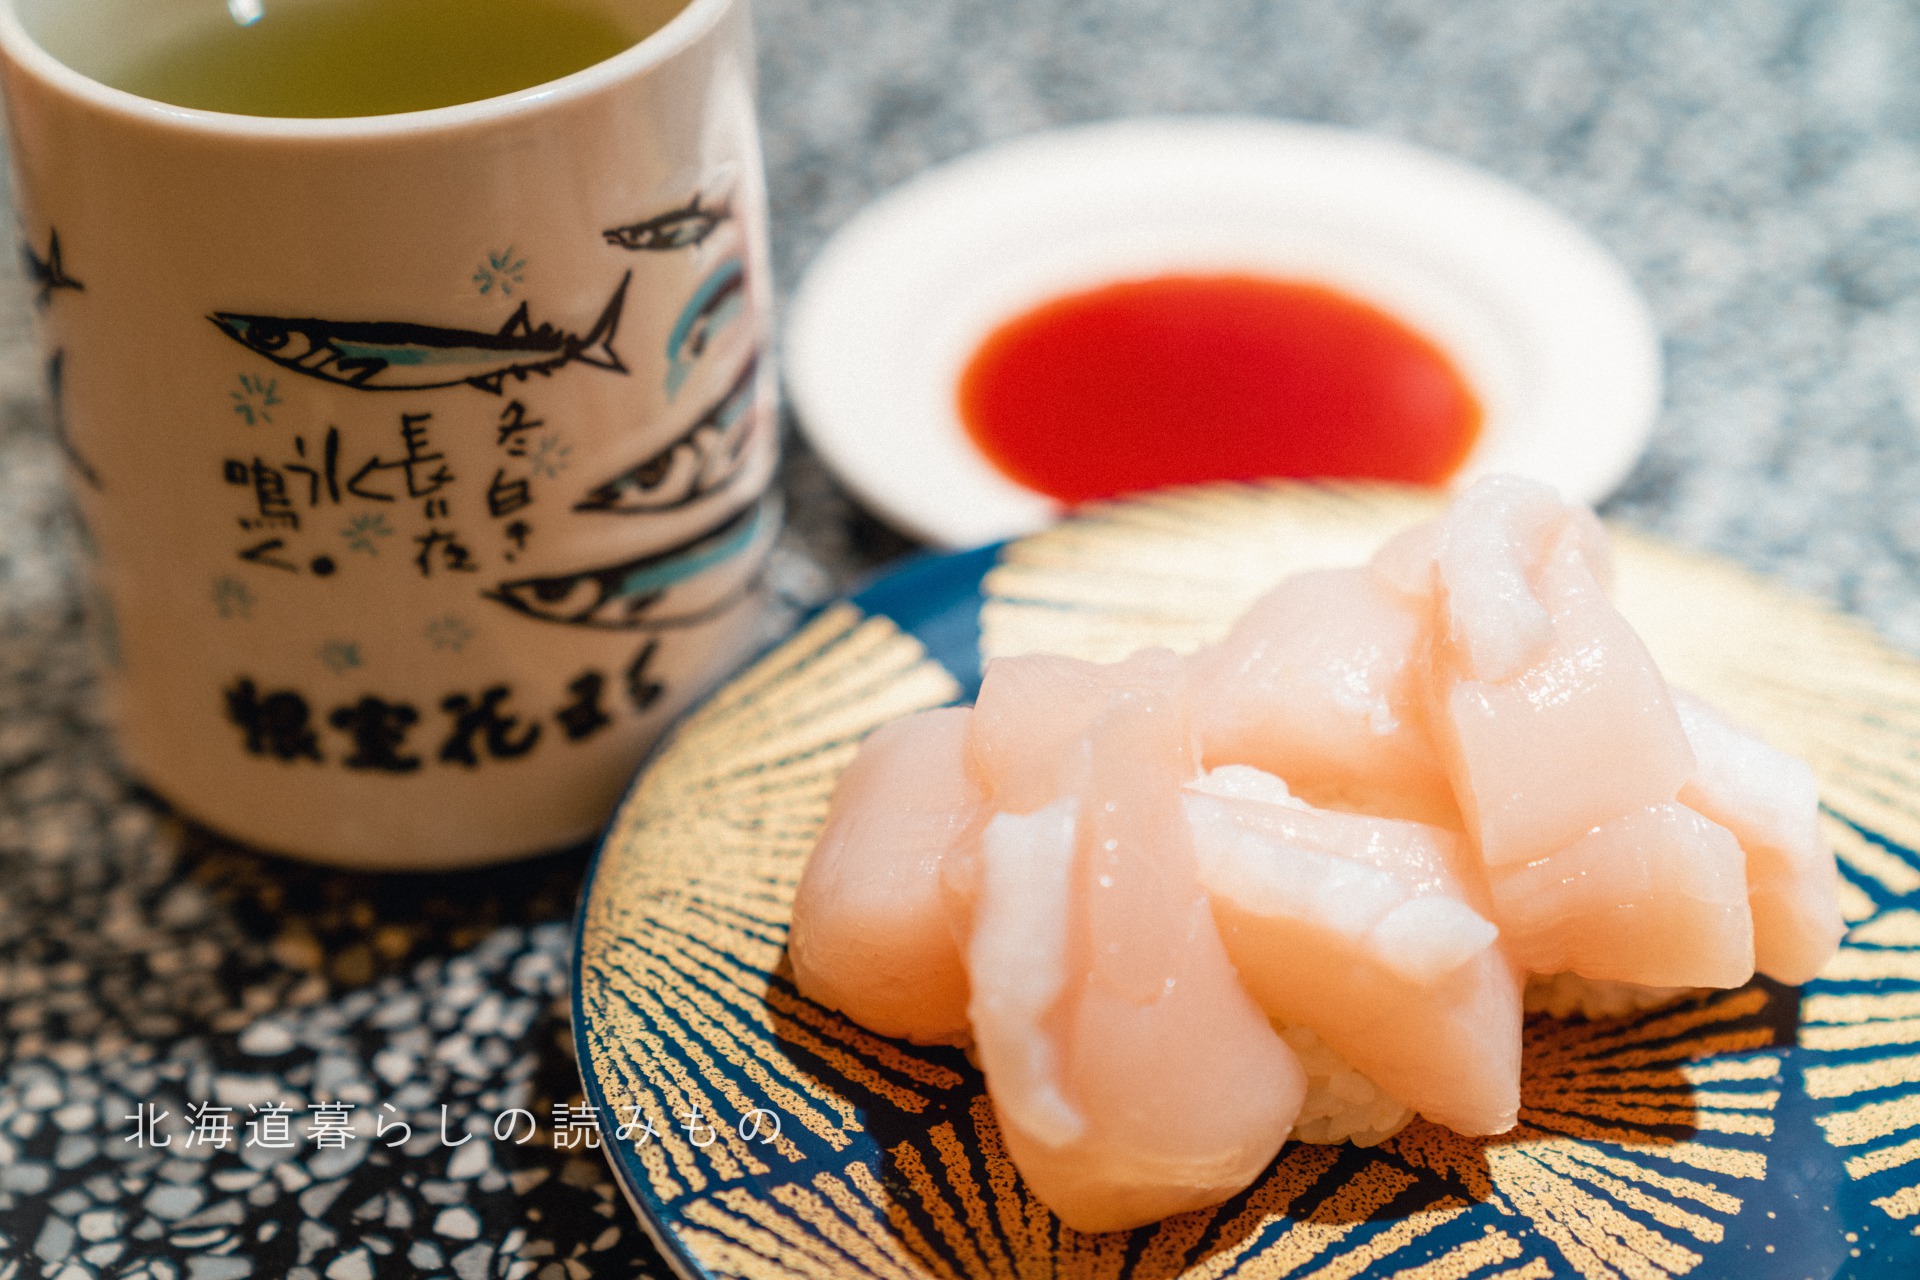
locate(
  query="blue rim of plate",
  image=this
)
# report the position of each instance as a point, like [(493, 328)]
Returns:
[(936, 598)]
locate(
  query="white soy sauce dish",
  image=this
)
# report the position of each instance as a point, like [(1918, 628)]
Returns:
[(1542, 323)]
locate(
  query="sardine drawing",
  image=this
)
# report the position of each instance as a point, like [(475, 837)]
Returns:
[(624, 596), (385, 355), (716, 304), (50, 272), (703, 459), (682, 228)]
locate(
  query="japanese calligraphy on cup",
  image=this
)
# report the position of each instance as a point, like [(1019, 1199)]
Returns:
[(422, 459)]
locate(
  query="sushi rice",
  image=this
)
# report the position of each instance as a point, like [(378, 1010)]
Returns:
[(1568, 995), (1342, 1105)]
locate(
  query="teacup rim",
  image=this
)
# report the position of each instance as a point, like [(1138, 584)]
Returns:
[(684, 29)]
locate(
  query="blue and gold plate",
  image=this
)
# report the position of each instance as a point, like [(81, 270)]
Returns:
[(1763, 1133)]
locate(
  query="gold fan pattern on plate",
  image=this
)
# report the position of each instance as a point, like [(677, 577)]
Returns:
[(1643, 1141)]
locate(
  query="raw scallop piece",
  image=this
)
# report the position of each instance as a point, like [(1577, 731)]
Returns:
[(1567, 754), (1769, 800), (871, 936), (1322, 683), (1549, 709), (1656, 897), (1366, 931), (1027, 744), (1029, 739), (1132, 1075)]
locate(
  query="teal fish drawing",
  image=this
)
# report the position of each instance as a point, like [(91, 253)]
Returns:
[(625, 596), (387, 355), (717, 303), (702, 460)]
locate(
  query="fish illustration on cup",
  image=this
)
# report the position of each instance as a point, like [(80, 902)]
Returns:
[(655, 592), (403, 356), (702, 460), (686, 227), (720, 300)]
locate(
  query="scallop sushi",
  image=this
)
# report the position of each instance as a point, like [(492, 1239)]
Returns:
[(1322, 683), (871, 933), (1303, 883), (1372, 934), (1567, 755), (1769, 801), (1103, 1003)]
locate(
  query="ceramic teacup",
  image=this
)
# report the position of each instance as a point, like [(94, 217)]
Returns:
[(423, 459)]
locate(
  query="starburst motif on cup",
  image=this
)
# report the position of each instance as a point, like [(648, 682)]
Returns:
[(501, 273)]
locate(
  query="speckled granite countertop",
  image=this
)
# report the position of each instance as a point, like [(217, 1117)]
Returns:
[(1757, 166)]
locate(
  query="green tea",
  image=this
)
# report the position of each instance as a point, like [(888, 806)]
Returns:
[(378, 57)]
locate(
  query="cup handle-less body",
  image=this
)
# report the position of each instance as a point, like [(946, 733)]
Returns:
[(422, 459)]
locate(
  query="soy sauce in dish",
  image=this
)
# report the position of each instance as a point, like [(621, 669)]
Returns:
[(1183, 379)]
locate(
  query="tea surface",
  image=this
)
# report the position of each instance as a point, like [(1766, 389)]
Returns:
[(379, 57)]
